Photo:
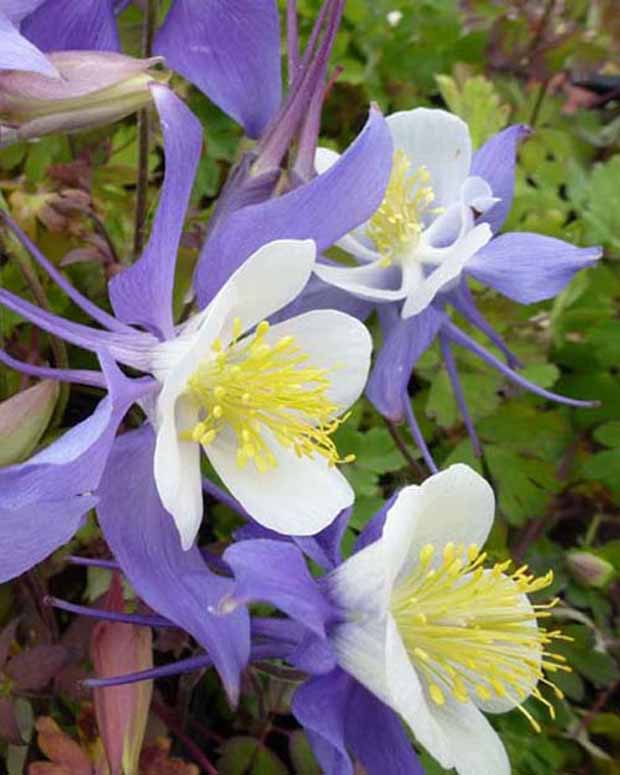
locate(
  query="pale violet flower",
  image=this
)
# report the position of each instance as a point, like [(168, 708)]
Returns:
[(434, 634), (262, 401), (420, 238)]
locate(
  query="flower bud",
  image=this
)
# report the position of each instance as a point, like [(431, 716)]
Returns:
[(122, 711), (590, 570), (94, 88), (23, 420)]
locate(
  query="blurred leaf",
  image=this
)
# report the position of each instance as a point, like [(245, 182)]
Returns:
[(301, 755), (247, 756)]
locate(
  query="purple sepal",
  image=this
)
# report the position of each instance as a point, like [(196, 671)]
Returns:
[(323, 548), (313, 655), (64, 25), (17, 53), (276, 572), (339, 716), (495, 162), (175, 583), (43, 501), (230, 50), (403, 345), (529, 267), (142, 294), (374, 528), (324, 210)]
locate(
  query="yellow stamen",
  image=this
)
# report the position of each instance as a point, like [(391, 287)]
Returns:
[(260, 389), (469, 632), (398, 222)]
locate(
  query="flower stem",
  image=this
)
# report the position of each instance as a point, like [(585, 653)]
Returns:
[(142, 182)]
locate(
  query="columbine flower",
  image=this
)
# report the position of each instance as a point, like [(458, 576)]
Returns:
[(262, 401), (432, 231), (424, 232), (417, 618)]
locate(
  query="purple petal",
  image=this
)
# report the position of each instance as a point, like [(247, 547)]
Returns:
[(529, 267), (175, 583), (230, 50), (376, 736), (142, 294), (78, 376), (374, 529), (17, 10), (404, 343), (30, 533), (43, 501), (64, 25), (275, 572), (17, 53), (495, 162), (320, 706), (73, 465), (324, 210), (132, 348)]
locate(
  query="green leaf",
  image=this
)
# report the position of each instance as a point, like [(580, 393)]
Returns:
[(248, 756), (601, 217), (23, 420), (604, 467), (301, 754), (477, 103), (608, 434)]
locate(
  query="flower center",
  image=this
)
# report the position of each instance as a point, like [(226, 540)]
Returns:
[(398, 222), (260, 389), (468, 630)]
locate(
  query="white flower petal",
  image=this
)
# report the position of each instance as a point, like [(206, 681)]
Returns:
[(371, 281), (477, 193), (438, 140), (456, 505), (476, 746), (408, 698), (448, 271), (177, 468), (359, 583), (270, 278), (324, 158), (300, 496), (335, 341), (360, 649)]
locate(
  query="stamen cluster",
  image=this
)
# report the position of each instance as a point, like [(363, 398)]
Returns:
[(469, 630), (255, 387), (398, 222)]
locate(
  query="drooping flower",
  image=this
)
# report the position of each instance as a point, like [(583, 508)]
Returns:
[(436, 226), (416, 618)]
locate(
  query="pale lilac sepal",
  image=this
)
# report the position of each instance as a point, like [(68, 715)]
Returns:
[(230, 50), (175, 583)]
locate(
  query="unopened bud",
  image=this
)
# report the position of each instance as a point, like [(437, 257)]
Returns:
[(95, 88), (589, 569)]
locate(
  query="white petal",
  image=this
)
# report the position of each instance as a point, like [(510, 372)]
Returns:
[(399, 531), (408, 698), (172, 362), (371, 281), (324, 158), (448, 271), (360, 583), (300, 496), (477, 193), (360, 649), (334, 341), (438, 140), (455, 505), (476, 746), (177, 468), (270, 278)]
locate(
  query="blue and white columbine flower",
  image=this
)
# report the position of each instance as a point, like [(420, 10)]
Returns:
[(416, 618), (425, 231)]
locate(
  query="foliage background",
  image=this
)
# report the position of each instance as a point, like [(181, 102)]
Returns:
[(556, 471)]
